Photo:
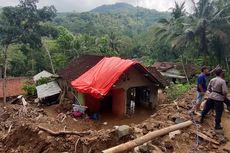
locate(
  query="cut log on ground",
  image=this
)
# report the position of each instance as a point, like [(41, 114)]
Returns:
[(205, 137), (64, 132), (141, 140)]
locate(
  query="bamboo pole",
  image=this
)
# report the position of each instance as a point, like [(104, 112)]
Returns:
[(141, 140)]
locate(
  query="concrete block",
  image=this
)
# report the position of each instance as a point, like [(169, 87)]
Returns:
[(123, 130)]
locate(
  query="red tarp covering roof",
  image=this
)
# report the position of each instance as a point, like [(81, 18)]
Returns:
[(99, 79)]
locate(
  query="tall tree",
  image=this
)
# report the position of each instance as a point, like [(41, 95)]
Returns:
[(22, 24), (199, 26)]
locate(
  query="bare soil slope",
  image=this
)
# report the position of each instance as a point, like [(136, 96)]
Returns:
[(20, 133)]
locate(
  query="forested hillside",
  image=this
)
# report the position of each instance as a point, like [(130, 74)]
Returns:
[(201, 37), (121, 18), (114, 8)]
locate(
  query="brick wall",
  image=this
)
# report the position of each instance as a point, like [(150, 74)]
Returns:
[(14, 86)]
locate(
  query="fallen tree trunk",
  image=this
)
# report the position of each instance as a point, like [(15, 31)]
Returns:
[(63, 132), (141, 140), (205, 137)]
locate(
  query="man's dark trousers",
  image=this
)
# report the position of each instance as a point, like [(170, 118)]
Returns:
[(219, 108)]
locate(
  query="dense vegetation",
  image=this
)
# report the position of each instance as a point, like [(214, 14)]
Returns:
[(201, 37)]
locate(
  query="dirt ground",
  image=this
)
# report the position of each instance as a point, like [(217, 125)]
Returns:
[(20, 130)]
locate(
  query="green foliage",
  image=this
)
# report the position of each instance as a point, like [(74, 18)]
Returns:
[(43, 81), (117, 30), (22, 23), (65, 38), (118, 7), (200, 33), (127, 21), (175, 90), (29, 88), (227, 78)]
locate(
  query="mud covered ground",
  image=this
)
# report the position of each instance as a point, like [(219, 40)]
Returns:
[(19, 130)]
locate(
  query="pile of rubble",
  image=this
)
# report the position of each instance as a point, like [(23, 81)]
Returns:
[(23, 131)]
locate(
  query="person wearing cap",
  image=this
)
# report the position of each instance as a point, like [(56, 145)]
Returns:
[(201, 89), (217, 95)]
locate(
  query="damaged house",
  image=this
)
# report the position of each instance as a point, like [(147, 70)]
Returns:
[(112, 84), (175, 71), (48, 90)]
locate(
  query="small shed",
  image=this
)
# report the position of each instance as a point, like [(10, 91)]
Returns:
[(48, 91), (43, 74)]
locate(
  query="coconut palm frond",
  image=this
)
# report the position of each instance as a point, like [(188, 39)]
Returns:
[(163, 21)]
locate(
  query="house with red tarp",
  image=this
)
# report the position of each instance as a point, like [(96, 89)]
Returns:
[(112, 84)]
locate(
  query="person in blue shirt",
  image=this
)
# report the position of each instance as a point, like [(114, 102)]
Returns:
[(201, 88)]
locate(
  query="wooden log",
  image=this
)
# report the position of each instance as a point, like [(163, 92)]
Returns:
[(205, 137), (63, 132), (141, 140)]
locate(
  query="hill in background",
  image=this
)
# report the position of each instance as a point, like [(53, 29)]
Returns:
[(118, 7), (121, 18)]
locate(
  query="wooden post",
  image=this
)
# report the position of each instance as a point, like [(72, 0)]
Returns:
[(141, 140), (4, 78)]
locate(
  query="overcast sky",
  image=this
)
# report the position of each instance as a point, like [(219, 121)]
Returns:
[(86, 5)]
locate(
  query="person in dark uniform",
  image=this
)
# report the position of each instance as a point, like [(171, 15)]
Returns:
[(217, 95)]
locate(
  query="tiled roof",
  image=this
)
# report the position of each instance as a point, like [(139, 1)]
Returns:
[(79, 66), (158, 76)]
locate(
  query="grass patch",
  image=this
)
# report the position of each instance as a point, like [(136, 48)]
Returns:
[(175, 90)]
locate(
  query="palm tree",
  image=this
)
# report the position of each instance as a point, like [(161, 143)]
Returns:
[(204, 22), (172, 30), (208, 19)]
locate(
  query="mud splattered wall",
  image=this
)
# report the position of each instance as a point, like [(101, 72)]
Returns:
[(119, 103), (132, 78)]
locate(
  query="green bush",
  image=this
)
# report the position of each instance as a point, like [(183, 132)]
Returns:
[(227, 78), (29, 88), (175, 90), (43, 81)]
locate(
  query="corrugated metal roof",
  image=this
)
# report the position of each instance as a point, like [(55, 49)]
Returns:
[(172, 75), (47, 90), (43, 74), (190, 69)]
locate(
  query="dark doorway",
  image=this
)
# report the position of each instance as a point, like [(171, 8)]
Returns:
[(106, 104), (137, 98)]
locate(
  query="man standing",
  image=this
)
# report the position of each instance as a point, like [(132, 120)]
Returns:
[(201, 89), (218, 93)]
